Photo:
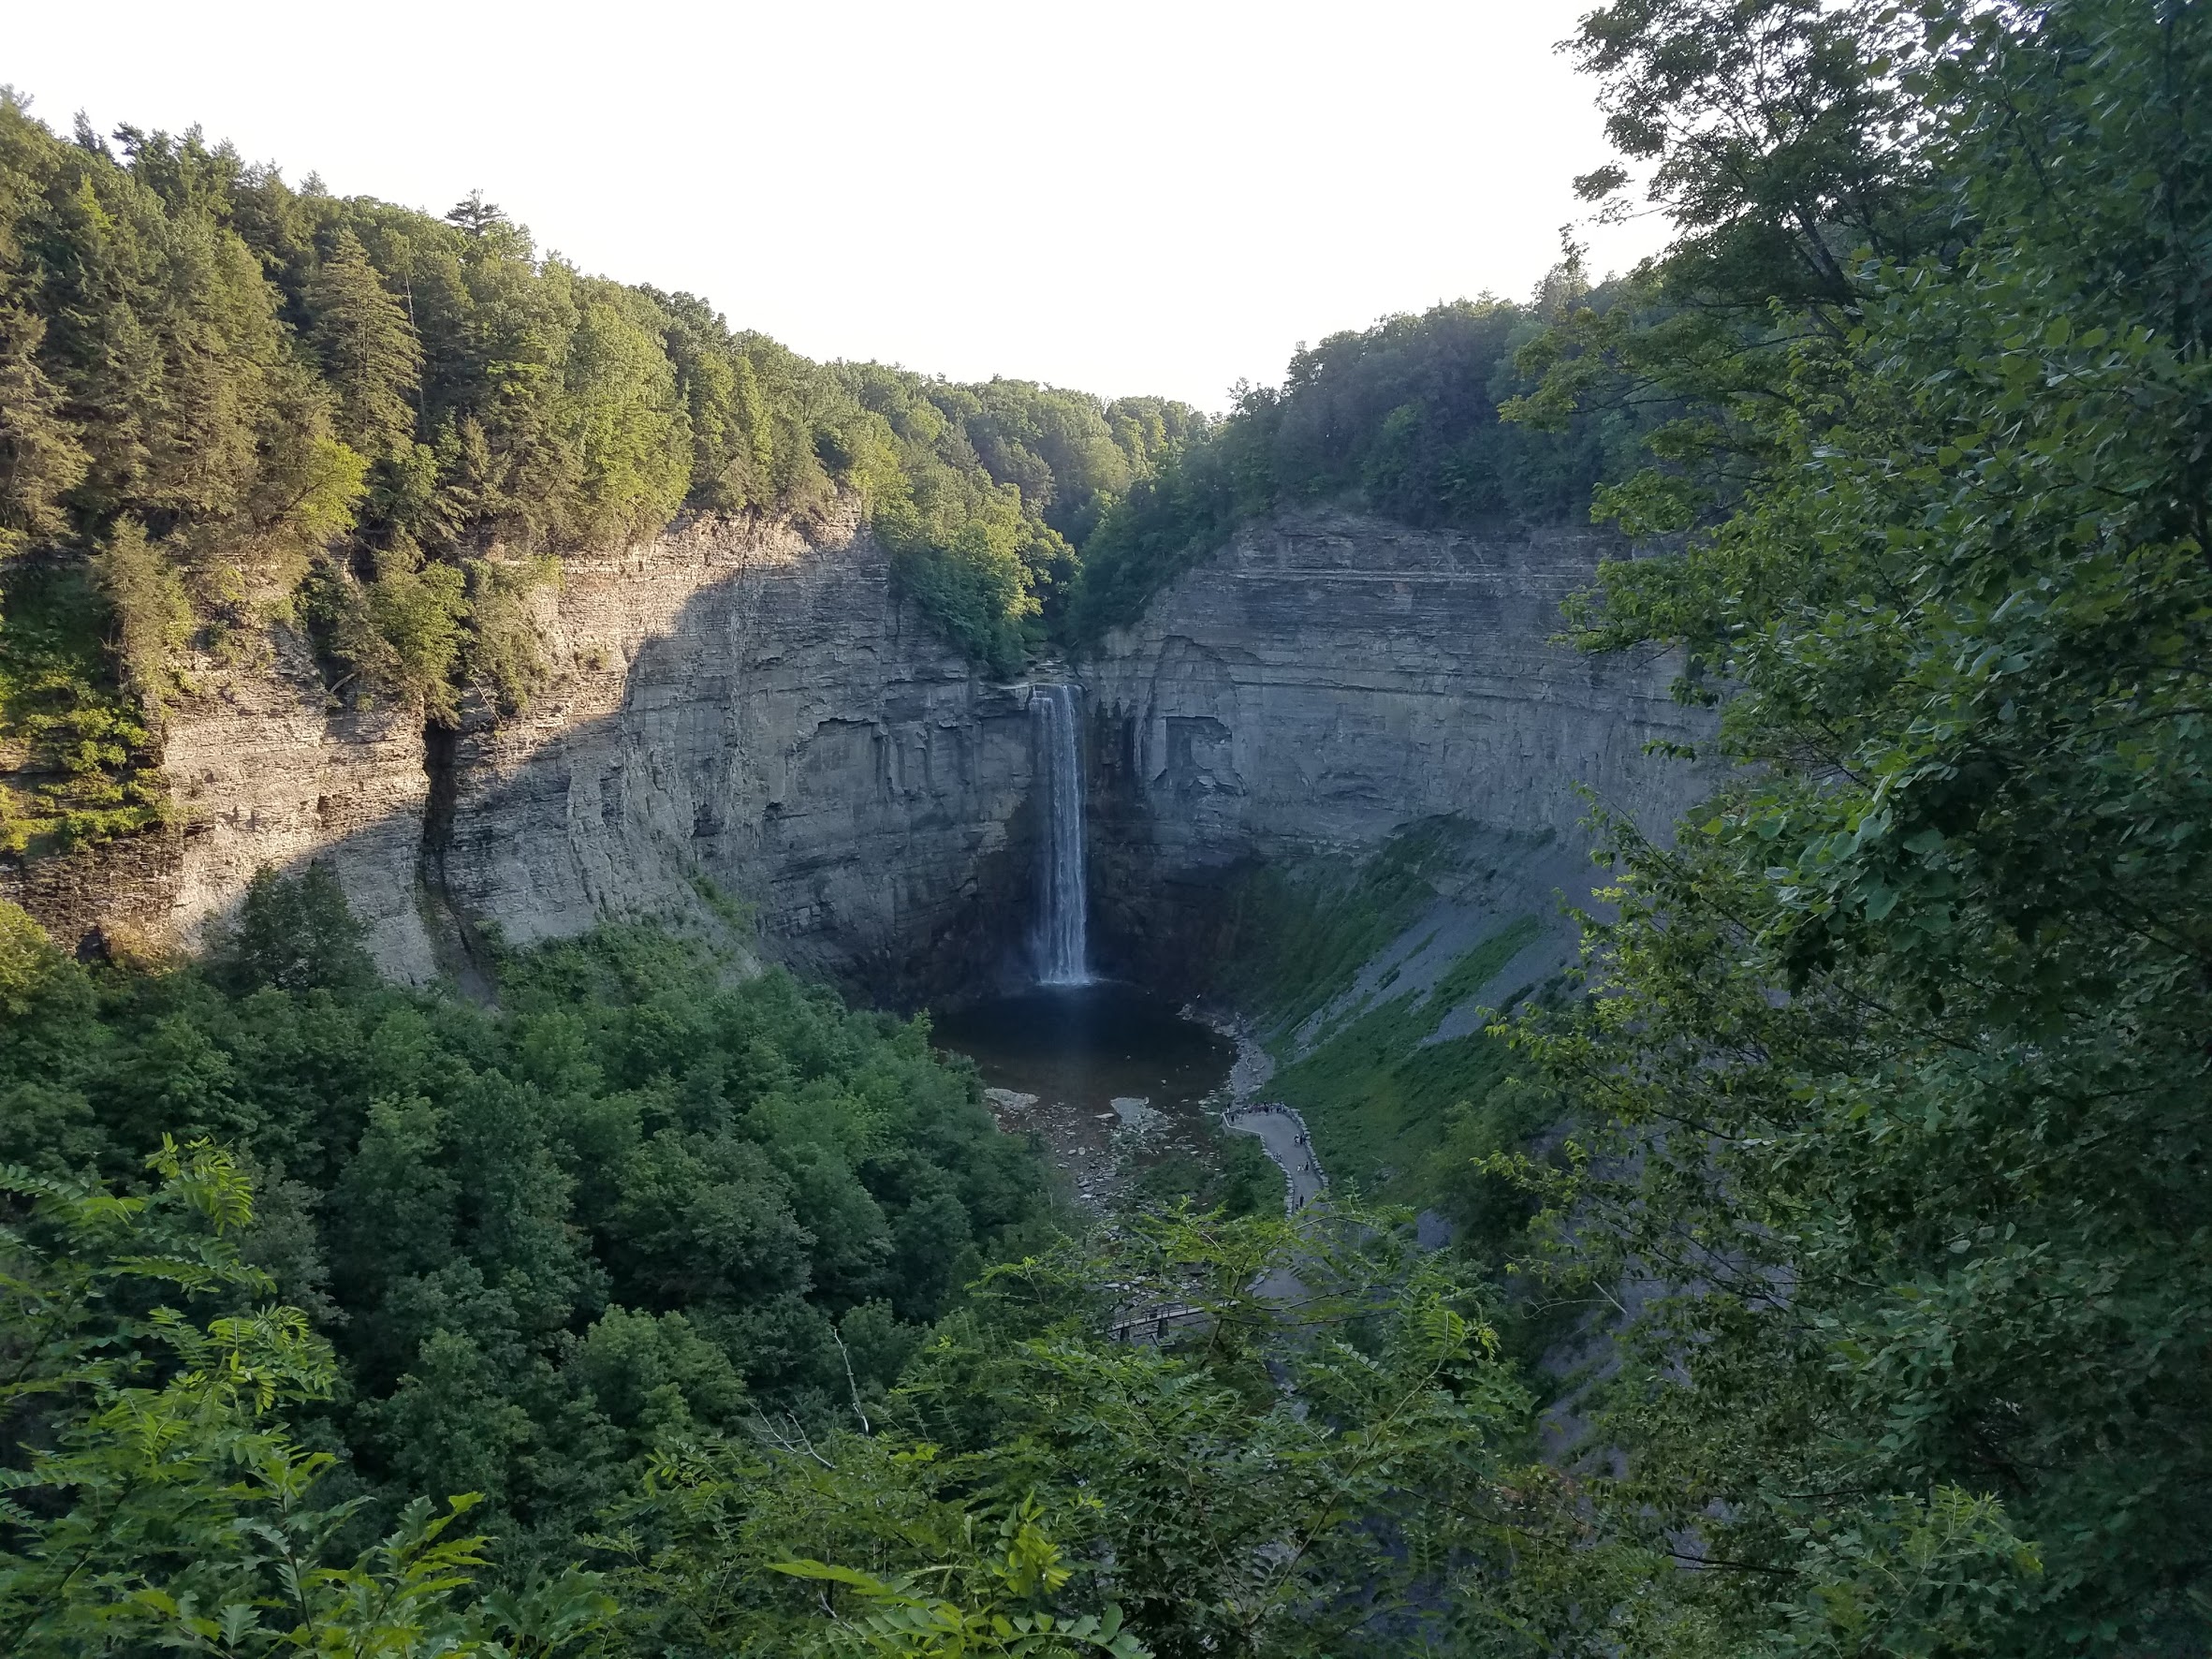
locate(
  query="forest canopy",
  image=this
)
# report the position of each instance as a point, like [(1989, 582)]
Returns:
[(225, 400), (660, 1310)]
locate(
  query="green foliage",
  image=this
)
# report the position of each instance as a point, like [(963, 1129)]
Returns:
[(245, 402), (368, 352), (152, 617), (1782, 142), (1390, 1105), (1314, 1475), (1232, 1174), (643, 1201), (1400, 419), (1298, 936), (910, 1617), (154, 1498), (1896, 1083), (976, 581), (980, 488), (73, 741), (293, 935)]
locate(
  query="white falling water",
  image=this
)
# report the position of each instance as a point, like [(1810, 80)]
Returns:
[(1063, 953)]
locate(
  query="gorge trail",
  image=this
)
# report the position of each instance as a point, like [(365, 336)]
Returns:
[(1282, 1135)]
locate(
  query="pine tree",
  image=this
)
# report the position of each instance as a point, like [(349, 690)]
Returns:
[(368, 349), (40, 458)]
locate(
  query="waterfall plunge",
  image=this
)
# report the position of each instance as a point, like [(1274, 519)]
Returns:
[(1062, 955)]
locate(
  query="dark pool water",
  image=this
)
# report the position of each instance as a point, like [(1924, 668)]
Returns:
[(1081, 1046), (1078, 1048)]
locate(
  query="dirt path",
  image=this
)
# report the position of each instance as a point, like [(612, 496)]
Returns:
[(1283, 1136), (1281, 1131)]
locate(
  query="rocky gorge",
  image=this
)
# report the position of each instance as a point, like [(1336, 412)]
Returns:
[(749, 727)]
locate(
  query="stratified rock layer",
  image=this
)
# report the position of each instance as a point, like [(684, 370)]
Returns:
[(768, 723), (742, 720), (1329, 678)]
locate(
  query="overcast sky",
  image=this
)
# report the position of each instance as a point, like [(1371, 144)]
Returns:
[(1125, 198)]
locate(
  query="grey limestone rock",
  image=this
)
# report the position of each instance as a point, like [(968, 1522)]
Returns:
[(738, 716), (1329, 678)]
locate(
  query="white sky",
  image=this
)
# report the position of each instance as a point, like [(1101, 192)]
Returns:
[(1127, 198)]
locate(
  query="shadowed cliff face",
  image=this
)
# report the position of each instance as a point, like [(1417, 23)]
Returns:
[(740, 719), (792, 737), (1329, 678), (737, 720)]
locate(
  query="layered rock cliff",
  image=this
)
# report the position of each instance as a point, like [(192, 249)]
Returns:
[(1329, 678), (738, 716)]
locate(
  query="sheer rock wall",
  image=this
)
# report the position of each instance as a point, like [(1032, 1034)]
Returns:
[(738, 718), (735, 712), (1329, 677)]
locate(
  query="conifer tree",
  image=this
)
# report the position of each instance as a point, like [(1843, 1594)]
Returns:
[(369, 351), (40, 458)]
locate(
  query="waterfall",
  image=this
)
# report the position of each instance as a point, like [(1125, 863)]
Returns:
[(1062, 948)]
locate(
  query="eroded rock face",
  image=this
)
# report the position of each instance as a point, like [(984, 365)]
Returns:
[(1329, 678), (738, 717), (738, 712), (762, 716)]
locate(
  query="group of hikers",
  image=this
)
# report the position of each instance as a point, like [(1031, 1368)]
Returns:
[(1298, 1137)]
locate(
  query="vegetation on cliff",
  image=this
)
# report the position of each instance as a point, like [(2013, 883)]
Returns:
[(224, 400), (1400, 419), (1897, 1078), (1315, 955)]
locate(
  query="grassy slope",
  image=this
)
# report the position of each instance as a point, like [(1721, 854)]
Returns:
[(76, 742), (1395, 1111), (1302, 937), (1381, 1097)]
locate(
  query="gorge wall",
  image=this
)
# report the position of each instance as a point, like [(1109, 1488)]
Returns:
[(1330, 676), (734, 712), (737, 711)]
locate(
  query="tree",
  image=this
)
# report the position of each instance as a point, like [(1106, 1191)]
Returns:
[(153, 613), (631, 435), (368, 352), (155, 1497), (40, 457), (1778, 135), (996, 1613), (295, 933), (1895, 1075), (1165, 1455)]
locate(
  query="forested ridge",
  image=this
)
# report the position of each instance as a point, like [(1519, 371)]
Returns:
[(233, 403), (226, 400), (664, 1311), (1401, 420)]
